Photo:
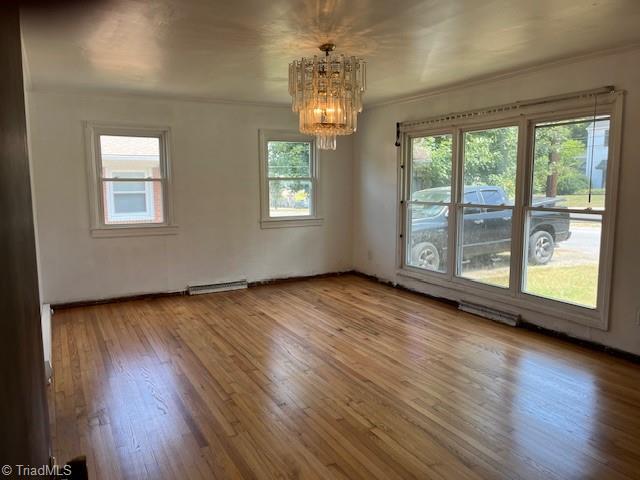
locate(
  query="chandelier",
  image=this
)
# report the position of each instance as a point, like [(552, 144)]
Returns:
[(327, 94)]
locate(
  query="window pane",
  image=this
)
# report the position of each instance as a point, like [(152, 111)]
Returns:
[(490, 159), (123, 157), (289, 198), (289, 159), (563, 253), (431, 168), (132, 202), (486, 245), (428, 236), (570, 163)]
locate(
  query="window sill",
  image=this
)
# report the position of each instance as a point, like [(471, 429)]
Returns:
[(494, 297), (137, 231), (291, 222)]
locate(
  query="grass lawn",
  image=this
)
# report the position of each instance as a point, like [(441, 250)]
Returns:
[(575, 284), (581, 201)]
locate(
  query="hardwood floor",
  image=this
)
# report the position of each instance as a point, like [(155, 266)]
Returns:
[(337, 377)]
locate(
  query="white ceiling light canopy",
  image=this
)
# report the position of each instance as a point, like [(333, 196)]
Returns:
[(327, 94)]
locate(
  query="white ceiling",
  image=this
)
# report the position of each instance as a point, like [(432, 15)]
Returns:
[(240, 49)]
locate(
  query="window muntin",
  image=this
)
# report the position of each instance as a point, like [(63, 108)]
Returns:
[(428, 222)]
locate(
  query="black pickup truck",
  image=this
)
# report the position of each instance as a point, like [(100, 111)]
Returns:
[(486, 231)]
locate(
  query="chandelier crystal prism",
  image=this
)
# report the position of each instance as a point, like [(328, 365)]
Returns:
[(327, 93)]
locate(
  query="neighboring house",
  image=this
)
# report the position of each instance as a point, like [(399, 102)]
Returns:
[(597, 152), (128, 201)]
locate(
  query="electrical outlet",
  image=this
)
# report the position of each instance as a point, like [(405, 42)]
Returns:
[(638, 317)]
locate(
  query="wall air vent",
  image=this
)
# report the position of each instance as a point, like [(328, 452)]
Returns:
[(216, 287), (490, 313)]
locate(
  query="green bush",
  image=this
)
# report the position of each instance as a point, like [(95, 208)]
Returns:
[(572, 184)]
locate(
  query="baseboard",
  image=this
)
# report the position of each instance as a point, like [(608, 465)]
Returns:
[(125, 298), (275, 281), (591, 345), (374, 278), (150, 296)]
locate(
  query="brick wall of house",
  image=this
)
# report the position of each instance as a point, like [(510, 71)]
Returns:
[(158, 216)]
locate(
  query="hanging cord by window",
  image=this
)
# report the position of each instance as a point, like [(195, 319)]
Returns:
[(593, 142), (397, 144)]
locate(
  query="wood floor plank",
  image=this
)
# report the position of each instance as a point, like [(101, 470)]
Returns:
[(337, 377)]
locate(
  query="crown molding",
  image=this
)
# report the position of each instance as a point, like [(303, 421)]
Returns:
[(506, 74)]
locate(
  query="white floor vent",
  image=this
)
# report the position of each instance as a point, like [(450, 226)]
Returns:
[(490, 313), (216, 287)]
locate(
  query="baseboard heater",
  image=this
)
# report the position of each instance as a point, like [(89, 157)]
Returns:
[(490, 313), (216, 287)]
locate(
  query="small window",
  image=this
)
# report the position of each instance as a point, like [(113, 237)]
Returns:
[(289, 180), (130, 178)]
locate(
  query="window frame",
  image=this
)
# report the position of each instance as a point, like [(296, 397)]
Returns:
[(266, 220), (514, 298), (98, 225)]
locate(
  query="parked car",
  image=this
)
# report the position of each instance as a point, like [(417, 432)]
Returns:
[(486, 231)]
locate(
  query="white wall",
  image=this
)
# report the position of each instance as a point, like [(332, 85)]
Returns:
[(375, 176), (216, 201)]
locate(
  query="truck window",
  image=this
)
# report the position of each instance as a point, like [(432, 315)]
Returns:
[(471, 197), (493, 197)]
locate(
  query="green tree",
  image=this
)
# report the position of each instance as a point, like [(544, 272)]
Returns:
[(560, 152), (490, 158)]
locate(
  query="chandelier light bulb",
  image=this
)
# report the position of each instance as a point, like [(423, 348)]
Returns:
[(326, 92)]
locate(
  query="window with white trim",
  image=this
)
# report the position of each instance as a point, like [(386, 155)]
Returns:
[(288, 177), (129, 178), (516, 204)]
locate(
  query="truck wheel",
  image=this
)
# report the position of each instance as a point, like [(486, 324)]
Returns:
[(425, 255), (541, 247)]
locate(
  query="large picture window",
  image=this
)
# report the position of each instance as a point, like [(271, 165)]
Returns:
[(516, 206)]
